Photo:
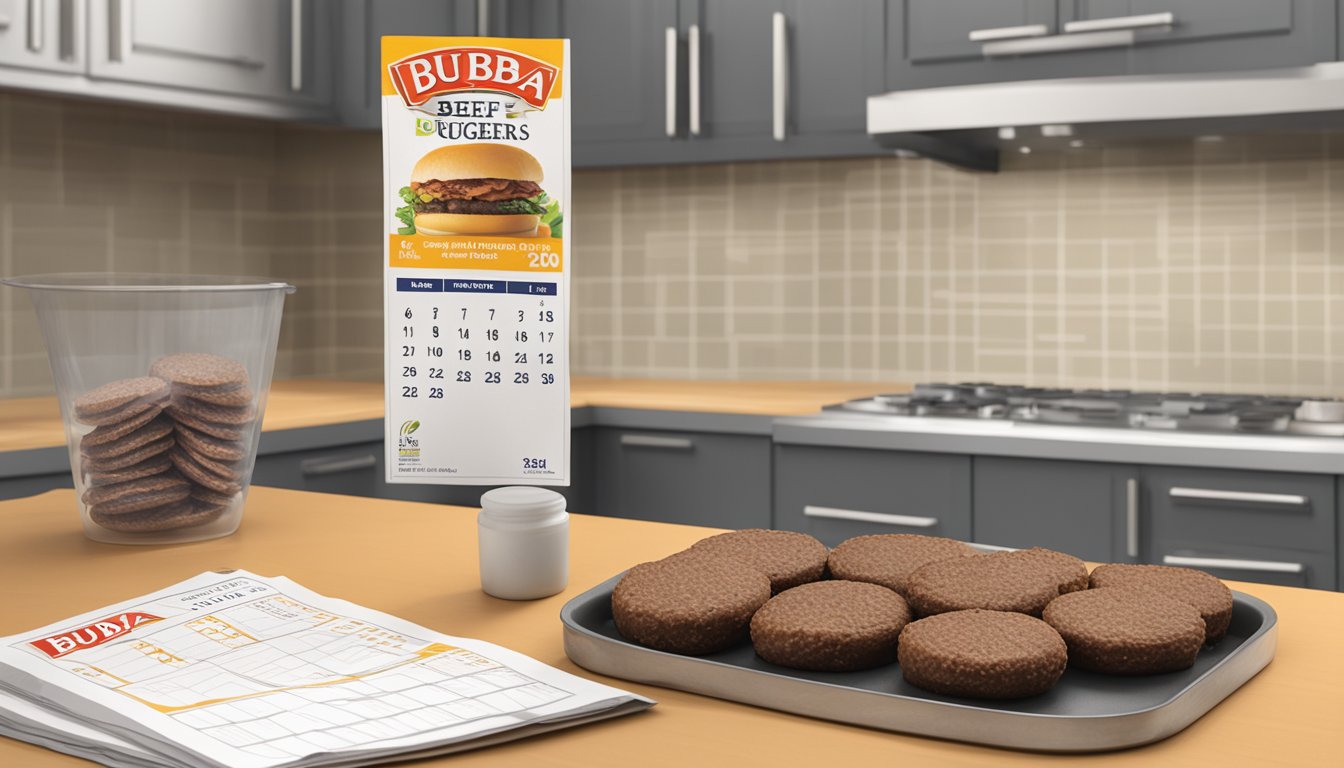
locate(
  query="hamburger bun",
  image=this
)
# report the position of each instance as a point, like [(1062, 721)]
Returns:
[(524, 224), (477, 161)]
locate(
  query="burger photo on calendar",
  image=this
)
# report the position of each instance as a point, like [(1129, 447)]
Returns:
[(478, 189)]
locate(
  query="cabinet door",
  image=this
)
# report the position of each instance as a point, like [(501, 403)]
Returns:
[(353, 470), (929, 44), (1219, 35), (363, 25), (715, 480), (252, 48), (31, 485), (736, 65), (1275, 527), (1081, 508), (42, 34), (835, 62), (837, 493)]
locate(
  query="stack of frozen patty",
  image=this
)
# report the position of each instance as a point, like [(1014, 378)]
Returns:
[(998, 626), (167, 450)]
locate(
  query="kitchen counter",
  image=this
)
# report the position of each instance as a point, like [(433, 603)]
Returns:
[(423, 559), (35, 422)]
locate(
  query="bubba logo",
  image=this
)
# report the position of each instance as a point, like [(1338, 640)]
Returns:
[(420, 77), (97, 633)]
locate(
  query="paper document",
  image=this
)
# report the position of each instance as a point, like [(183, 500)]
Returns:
[(243, 670)]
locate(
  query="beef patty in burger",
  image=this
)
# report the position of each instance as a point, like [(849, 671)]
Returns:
[(476, 189)]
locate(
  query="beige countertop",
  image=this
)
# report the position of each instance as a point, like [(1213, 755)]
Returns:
[(418, 561), (35, 422)]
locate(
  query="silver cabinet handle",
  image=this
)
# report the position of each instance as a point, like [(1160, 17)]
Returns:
[(483, 18), (1209, 494), (693, 64), (1112, 38), (329, 466), (1265, 566), (1008, 33), (1120, 22), (66, 30), (670, 85), (116, 31), (655, 441), (1132, 517), (780, 51), (857, 515), (36, 25), (296, 45)]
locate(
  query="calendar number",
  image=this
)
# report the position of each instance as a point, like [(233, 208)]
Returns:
[(408, 313), (436, 393), (548, 378), (464, 354), (520, 378), (435, 373), (433, 351), (492, 334), (464, 376), (492, 356), (492, 377), (407, 351), (409, 392), (546, 316), (520, 335), (407, 371), (520, 357)]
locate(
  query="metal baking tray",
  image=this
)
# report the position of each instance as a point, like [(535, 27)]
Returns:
[(1086, 712)]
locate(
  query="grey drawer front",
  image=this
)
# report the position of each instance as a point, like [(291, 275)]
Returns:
[(1071, 506), (682, 477), (819, 490), (1257, 563), (354, 470), (1224, 507), (31, 485)]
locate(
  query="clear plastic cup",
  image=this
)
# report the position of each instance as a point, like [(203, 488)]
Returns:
[(102, 328)]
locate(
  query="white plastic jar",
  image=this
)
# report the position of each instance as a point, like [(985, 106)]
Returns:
[(523, 534)]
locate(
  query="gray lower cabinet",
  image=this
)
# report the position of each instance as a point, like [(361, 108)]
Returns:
[(357, 469), (1082, 508), (694, 478), (837, 493), (31, 485), (1270, 527)]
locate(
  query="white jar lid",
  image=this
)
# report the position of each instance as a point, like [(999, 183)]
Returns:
[(521, 502)]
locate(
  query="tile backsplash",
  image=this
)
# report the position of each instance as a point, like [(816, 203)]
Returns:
[(1181, 264), (1204, 264)]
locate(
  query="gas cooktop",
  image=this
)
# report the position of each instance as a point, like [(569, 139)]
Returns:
[(1110, 408)]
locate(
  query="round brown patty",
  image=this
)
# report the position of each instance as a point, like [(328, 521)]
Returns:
[(830, 626), (137, 495), (1023, 581), (154, 430), (230, 432), (1206, 593), (1069, 571), (128, 459), (982, 654), (1125, 631), (200, 444), (786, 557), (118, 415), (889, 559), (688, 604), (200, 370), (198, 474), (154, 465), (106, 434), (181, 514), (232, 415), (102, 405), (235, 396)]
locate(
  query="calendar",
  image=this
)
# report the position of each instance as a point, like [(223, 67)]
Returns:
[(476, 158)]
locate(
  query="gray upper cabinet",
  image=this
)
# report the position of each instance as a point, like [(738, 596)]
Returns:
[(736, 67), (249, 48), (1218, 35), (359, 56), (42, 34), (619, 68), (1089, 510), (951, 42)]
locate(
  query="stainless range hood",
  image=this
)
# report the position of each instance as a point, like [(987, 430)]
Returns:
[(968, 125)]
